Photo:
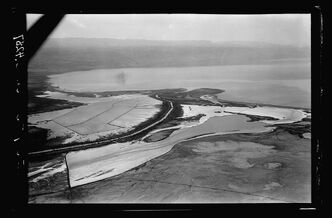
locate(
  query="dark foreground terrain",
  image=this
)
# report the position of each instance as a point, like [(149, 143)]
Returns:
[(278, 170)]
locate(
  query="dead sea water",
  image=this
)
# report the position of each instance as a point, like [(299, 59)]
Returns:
[(286, 84)]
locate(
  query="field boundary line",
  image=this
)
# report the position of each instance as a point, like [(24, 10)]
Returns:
[(67, 128), (116, 125), (96, 115), (131, 109)]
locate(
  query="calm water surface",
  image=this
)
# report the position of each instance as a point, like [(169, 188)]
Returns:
[(285, 84)]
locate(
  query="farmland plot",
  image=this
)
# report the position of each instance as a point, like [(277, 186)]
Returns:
[(84, 113), (90, 122), (137, 114)]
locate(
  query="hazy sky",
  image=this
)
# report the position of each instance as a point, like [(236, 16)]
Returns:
[(291, 29)]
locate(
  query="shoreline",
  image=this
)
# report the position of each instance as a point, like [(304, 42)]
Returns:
[(273, 61)]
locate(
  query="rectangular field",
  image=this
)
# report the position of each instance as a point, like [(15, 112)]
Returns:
[(118, 114)]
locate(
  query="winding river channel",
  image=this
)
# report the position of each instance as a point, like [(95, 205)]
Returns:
[(91, 165)]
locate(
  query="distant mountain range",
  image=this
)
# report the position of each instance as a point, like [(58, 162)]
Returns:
[(59, 55), (142, 42)]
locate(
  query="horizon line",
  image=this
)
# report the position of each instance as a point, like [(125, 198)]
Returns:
[(182, 40)]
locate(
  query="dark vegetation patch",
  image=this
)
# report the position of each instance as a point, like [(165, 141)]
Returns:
[(250, 104), (36, 161), (37, 85), (171, 119), (36, 138), (192, 118), (158, 136), (295, 129), (151, 93), (254, 118), (54, 183), (190, 97), (306, 119), (40, 105), (57, 182), (176, 95)]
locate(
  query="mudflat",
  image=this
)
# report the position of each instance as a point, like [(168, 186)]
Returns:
[(263, 167)]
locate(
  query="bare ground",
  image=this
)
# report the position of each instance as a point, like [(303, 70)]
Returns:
[(185, 175)]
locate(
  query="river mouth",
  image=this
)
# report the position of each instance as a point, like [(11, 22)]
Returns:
[(115, 159)]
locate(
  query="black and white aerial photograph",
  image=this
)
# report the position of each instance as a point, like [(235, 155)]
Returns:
[(171, 108)]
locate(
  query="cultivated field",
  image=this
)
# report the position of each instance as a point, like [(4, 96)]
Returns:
[(94, 120)]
